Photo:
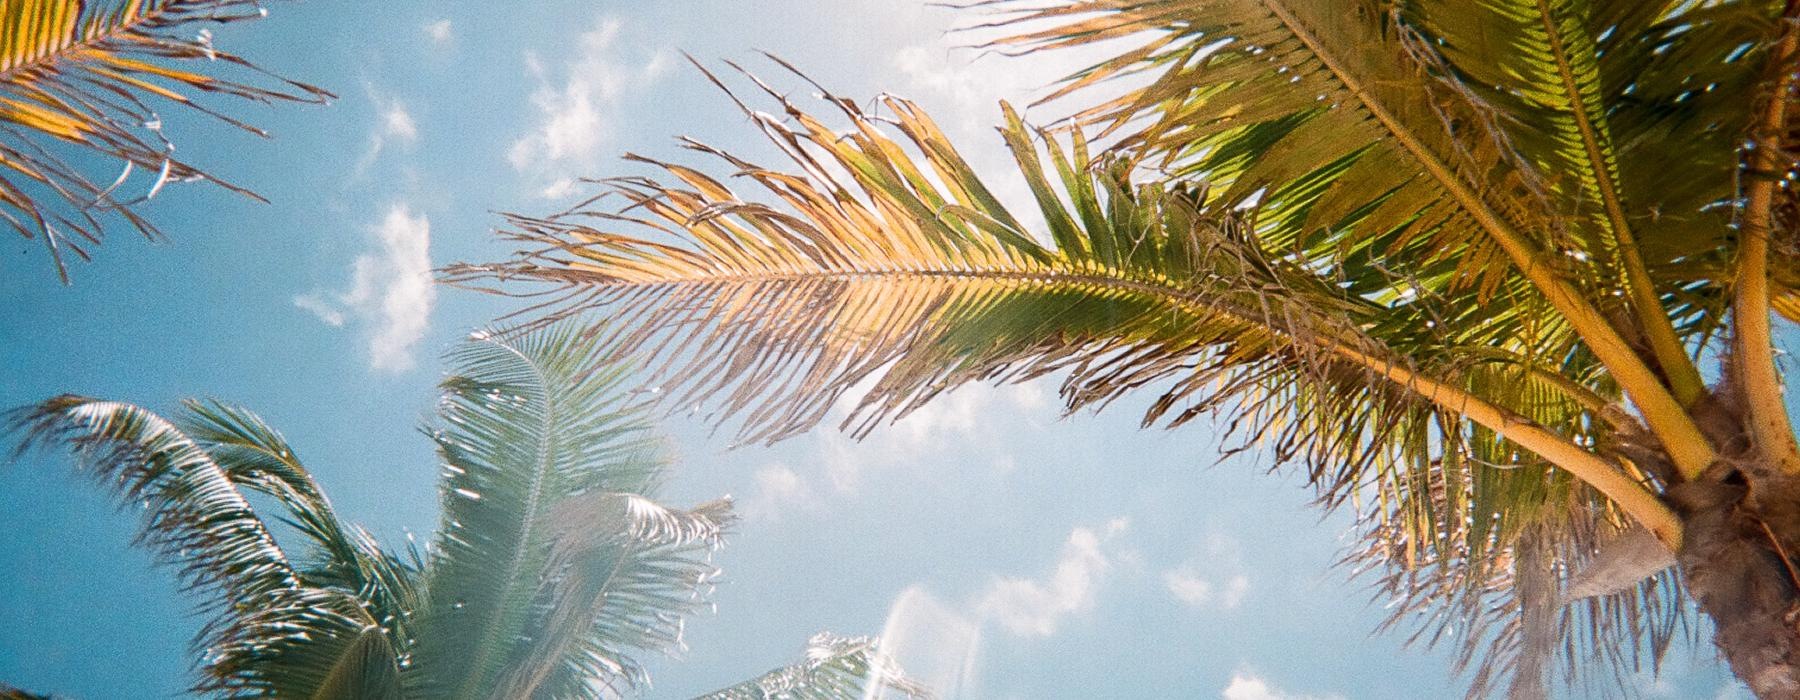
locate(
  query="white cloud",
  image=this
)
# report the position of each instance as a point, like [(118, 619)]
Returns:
[(1033, 607), (962, 87), (960, 420), (315, 303), (439, 31), (779, 489), (398, 123), (391, 291), (1246, 685), (394, 124), (1196, 591), (1213, 580), (573, 102), (957, 424)]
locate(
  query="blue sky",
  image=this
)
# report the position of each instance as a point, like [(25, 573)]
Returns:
[(1006, 553)]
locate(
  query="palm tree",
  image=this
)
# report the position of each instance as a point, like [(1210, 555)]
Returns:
[(551, 569), (83, 77), (1499, 275)]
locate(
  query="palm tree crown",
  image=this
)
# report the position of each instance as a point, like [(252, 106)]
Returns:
[(1464, 263), (552, 569)]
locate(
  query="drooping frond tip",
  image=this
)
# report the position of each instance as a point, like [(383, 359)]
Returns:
[(194, 516), (82, 86)]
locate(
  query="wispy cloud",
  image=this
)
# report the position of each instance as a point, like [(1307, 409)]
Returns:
[(318, 306), (1215, 579), (394, 125), (574, 101), (959, 421), (779, 489), (440, 31), (1197, 591), (390, 293), (1036, 607), (962, 87), (398, 123), (1246, 685)]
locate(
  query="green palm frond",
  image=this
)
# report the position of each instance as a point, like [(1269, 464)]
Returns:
[(89, 75), (1534, 190), (194, 516), (552, 566), (368, 668), (834, 668), (276, 628), (1510, 618), (627, 572), (343, 557), (1577, 120), (312, 643)]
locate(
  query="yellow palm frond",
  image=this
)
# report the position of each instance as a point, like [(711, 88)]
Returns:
[(79, 76), (1787, 303), (881, 263)]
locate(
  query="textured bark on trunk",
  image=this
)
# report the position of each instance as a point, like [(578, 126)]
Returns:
[(1736, 557)]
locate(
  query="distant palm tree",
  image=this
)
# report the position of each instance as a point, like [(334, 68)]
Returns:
[(1499, 274), (88, 75), (551, 568)]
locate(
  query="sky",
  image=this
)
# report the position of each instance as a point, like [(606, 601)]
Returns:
[(1002, 551)]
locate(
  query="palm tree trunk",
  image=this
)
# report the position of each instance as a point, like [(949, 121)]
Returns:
[(1737, 558)]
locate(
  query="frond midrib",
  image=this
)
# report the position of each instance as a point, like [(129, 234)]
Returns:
[(349, 653), (1597, 471), (1665, 415), (1683, 376), (486, 646), (539, 675), (1136, 282)]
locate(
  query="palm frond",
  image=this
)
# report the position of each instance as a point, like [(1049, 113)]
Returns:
[(1510, 612), (884, 272), (1549, 63), (368, 668), (277, 628), (904, 274), (88, 75), (312, 643), (834, 668), (194, 516), (1277, 99), (625, 573), (1788, 305), (343, 557), (552, 566)]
